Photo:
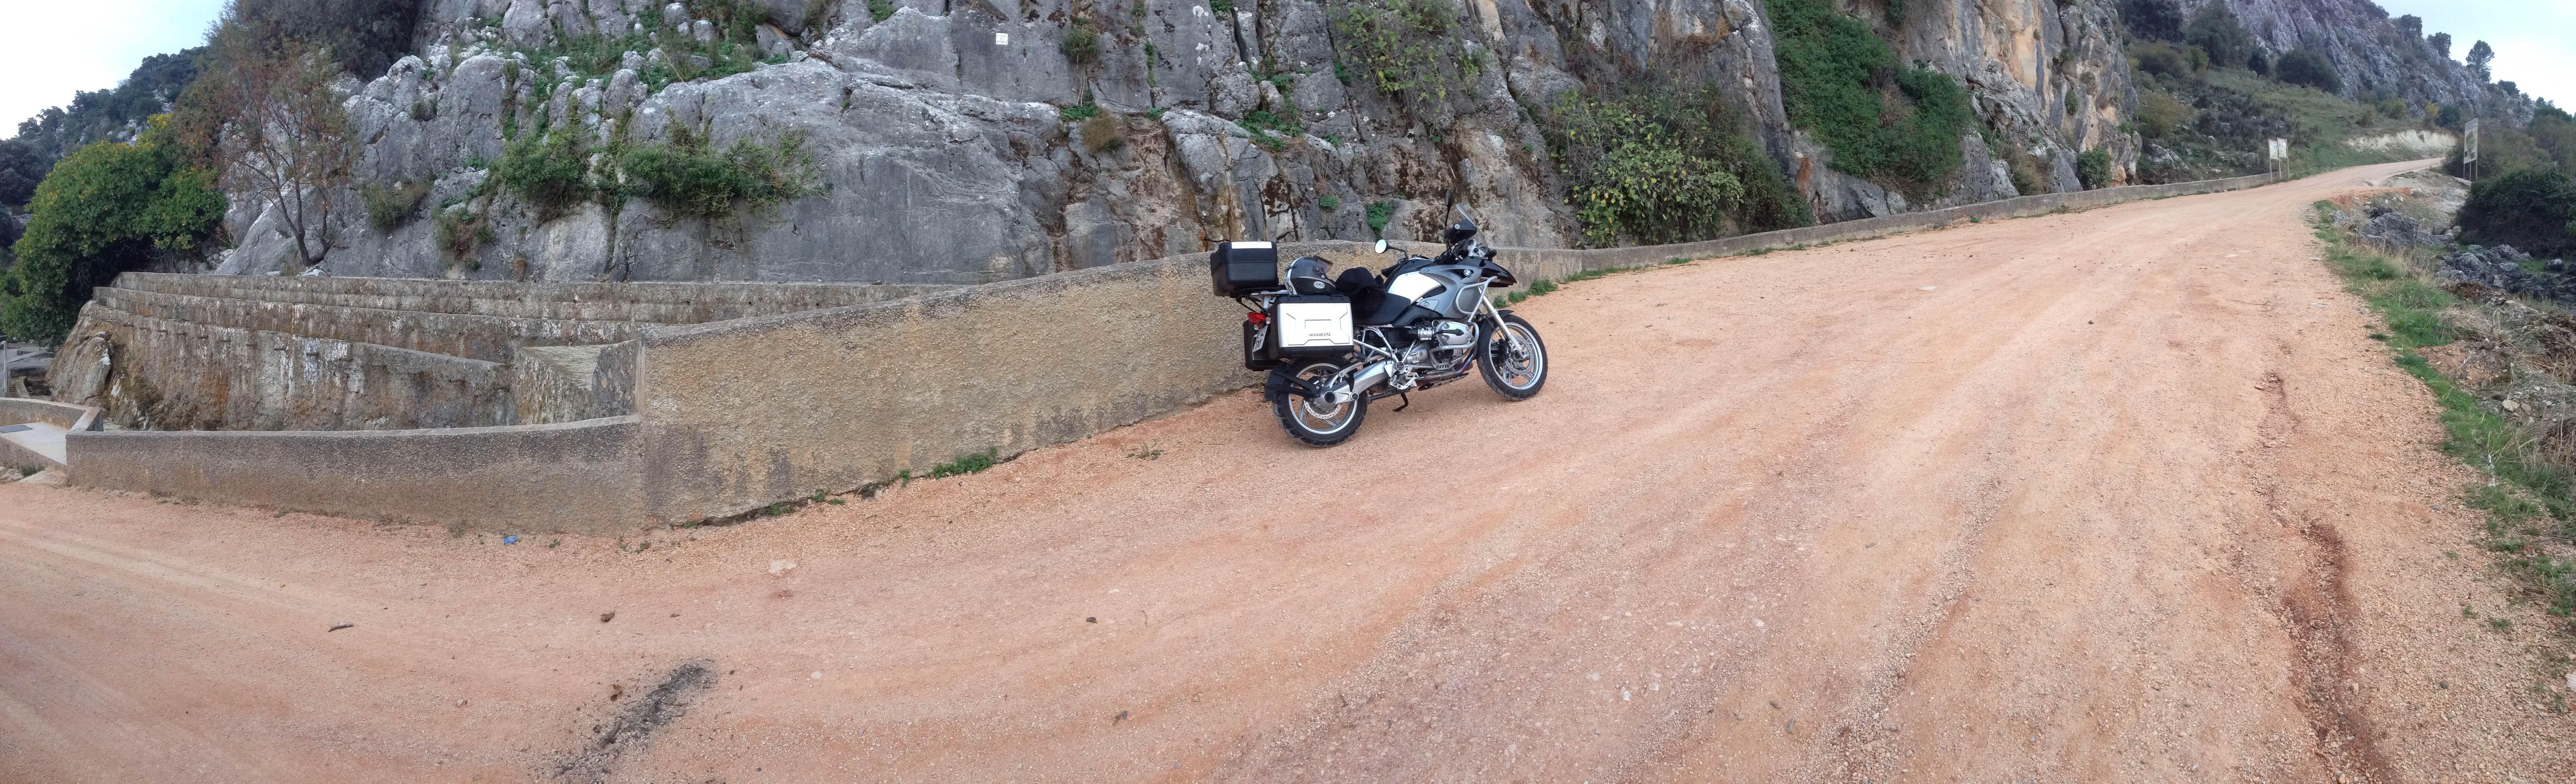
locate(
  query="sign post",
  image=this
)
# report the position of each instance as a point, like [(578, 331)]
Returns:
[(2469, 148)]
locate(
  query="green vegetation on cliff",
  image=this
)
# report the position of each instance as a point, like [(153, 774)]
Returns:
[(1834, 74), (1653, 164), (109, 208)]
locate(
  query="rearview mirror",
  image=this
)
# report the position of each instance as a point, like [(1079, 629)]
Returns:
[(1381, 246)]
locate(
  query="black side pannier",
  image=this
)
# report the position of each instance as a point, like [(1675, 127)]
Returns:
[(1243, 268)]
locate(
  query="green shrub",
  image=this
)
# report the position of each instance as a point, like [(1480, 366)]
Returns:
[(423, 111), (2305, 67), (106, 209), (2157, 20), (1831, 69), (1379, 212), (1081, 45), (458, 233), (1078, 112), (880, 10), (687, 178), (2029, 174), (389, 207), (1404, 47), (1656, 164), (2160, 115), (1284, 121), (2530, 209), (1104, 134), (967, 465), (549, 172), (2160, 59), (1221, 6), (1329, 203), (2214, 30), (2094, 166)]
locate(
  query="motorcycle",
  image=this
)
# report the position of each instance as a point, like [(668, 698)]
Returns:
[(1333, 345)]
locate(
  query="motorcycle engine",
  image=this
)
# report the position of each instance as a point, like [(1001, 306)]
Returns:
[(1454, 334)]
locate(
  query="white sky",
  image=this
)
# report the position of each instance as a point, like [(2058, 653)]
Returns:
[(51, 49), (2530, 38)]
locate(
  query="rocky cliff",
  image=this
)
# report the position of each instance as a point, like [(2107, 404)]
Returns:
[(2376, 58), (947, 141)]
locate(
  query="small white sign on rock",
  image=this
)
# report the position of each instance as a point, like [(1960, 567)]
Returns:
[(1001, 39)]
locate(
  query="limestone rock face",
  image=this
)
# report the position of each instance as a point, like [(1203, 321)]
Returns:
[(951, 142), (2368, 52)]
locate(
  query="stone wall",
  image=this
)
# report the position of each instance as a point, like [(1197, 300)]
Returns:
[(660, 303), (223, 352), (154, 373), (487, 338)]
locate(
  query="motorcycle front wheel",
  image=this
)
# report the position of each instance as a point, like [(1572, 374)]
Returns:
[(1314, 422), (1513, 359)]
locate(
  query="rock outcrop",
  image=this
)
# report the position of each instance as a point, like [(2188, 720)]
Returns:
[(2368, 50), (2502, 268), (948, 141)]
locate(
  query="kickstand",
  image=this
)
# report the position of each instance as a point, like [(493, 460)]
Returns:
[(1407, 401)]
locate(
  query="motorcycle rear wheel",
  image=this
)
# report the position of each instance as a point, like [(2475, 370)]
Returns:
[(1516, 374), (1312, 422)]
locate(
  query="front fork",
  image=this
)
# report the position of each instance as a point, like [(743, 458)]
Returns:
[(1486, 306)]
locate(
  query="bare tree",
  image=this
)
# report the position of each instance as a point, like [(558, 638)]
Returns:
[(280, 130)]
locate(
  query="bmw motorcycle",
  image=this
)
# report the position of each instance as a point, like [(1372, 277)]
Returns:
[(1333, 345)]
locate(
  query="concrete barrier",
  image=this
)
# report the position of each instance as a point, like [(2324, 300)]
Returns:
[(569, 478), (735, 415)]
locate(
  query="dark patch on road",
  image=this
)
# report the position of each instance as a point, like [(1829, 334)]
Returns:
[(633, 727)]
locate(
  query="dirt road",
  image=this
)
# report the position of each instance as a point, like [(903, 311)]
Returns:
[(2123, 495)]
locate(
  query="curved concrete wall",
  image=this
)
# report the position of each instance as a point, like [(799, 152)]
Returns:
[(573, 478)]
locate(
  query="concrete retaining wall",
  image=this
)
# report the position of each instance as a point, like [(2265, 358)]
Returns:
[(569, 478), (178, 375), (735, 415), (487, 338), (19, 411), (573, 383), (661, 303)]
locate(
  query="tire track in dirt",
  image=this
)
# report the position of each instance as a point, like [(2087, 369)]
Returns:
[(2314, 604)]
